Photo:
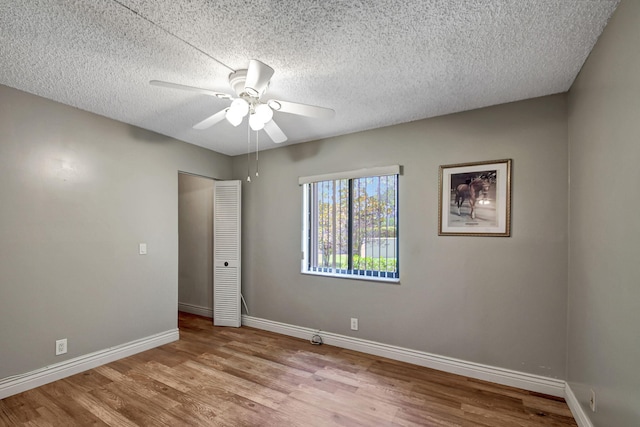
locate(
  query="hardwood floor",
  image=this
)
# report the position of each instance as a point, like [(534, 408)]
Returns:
[(247, 377)]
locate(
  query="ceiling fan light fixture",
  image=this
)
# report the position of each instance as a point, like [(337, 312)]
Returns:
[(239, 107), (233, 117), (255, 123), (263, 112), (249, 86)]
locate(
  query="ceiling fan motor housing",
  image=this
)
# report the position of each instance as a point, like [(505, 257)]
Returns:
[(236, 80)]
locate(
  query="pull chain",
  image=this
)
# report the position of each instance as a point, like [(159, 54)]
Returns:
[(248, 152), (257, 151)]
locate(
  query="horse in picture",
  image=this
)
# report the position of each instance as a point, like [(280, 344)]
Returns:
[(471, 192)]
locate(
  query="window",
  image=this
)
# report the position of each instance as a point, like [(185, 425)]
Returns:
[(351, 225)]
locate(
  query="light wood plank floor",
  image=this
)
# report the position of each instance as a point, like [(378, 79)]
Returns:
[(247, 377)]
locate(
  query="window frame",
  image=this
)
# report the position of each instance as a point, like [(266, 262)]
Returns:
[(307, 211)]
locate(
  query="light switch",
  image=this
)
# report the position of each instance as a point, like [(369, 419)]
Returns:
[(143, 248)]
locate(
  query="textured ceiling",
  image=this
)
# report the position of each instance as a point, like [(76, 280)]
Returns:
[(376, 63)]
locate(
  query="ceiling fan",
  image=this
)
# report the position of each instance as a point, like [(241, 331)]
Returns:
[(250, 85)]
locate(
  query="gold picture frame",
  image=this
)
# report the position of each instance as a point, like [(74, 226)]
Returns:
[(475, 199)]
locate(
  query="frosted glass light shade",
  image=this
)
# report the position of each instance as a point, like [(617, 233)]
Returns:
[(233, 117), (255, 123), (239, 107), (264, 113)]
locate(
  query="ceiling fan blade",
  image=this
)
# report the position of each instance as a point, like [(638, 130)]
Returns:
[(190, 88), (301, 109), (210, 121), (274, 132), (258, 76)]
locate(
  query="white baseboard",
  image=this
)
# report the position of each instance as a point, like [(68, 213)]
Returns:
[(195, 309), (576, 408), (531, 382), (19, 383)]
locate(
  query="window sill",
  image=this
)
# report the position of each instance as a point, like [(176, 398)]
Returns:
[(353, 277)]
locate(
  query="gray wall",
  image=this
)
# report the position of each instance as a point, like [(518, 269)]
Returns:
[(79, 192), (497, 301), (604, 272), (195, 229)]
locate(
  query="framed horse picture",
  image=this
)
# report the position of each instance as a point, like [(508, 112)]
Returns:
[(475, 199)]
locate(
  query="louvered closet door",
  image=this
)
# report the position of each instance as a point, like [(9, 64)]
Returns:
[(226, 253)]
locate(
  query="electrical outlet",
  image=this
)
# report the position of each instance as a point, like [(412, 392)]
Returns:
[(354, 324), (61, 346), (592, 401)]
